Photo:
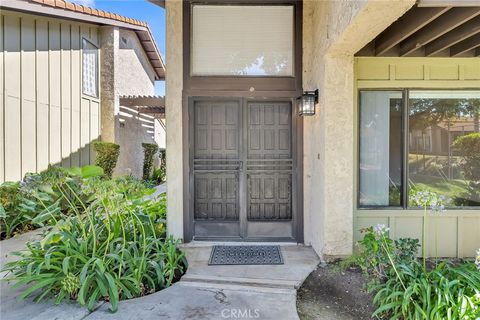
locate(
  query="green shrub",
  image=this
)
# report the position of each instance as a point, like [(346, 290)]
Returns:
[(373, 258), (112, 249), (158, 176), (163, 165), (14, 217), (106, 156), (468, 147), (149, 150)]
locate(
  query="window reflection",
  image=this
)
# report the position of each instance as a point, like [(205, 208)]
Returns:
[(381, 148), (444, 144), (242, 40)]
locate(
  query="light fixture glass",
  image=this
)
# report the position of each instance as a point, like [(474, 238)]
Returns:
[(306, 103)]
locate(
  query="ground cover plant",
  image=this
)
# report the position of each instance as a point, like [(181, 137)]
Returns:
[(409, 288), (106, 242), (40, 198)]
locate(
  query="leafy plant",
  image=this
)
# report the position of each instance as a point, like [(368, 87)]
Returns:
[(406, 290), (406, 249), (111, 249), (468, 146), (149, 150), (377, 252), (106, 156), (158, 176), (15, 215), (37, 199)]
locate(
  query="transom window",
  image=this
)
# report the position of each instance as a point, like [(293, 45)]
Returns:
[(89, 68), (413, 140), (242, 40)]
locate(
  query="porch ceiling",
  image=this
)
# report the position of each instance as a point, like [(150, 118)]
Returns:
[(432, 28), (152, 105)]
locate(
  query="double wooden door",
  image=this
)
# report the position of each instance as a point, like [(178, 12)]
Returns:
[(242, 169)]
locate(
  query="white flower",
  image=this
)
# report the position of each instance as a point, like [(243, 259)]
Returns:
[(380, 229)]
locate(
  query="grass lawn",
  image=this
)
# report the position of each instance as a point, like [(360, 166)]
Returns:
[(449, 188)]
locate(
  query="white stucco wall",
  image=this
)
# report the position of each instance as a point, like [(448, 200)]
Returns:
[(333, 32), (126, 71), (137, 75), (174, 117)]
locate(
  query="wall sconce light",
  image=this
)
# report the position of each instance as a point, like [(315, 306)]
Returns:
[(306, 103)]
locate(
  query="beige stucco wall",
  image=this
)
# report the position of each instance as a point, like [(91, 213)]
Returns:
[(126, 71), (174, 118), (137, 75), (333, 32), (44, 119)]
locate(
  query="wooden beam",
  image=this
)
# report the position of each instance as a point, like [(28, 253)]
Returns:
[(405, 26), (447, 3), (142, 101), (465, 45), (443, 24), (454, 36), (477, 52)]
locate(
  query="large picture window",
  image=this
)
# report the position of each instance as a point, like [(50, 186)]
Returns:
[(436, 139), (242, 40)]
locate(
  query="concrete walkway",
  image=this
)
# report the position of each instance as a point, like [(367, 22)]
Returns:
[(204, 292)]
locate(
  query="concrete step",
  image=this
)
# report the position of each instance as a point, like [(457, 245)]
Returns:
[(252, 282), (236, 287)]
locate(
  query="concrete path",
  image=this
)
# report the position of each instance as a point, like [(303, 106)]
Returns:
[(205, 292)]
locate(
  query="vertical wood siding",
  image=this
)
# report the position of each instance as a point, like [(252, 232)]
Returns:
[(455, 233), (44, 117)]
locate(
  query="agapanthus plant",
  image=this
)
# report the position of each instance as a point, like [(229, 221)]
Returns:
[(427, 200)]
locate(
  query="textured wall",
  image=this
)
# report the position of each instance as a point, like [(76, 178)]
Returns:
[(137, 75), (126, 71), (174, 88), (333, 32), (44, 117), (109, 70)]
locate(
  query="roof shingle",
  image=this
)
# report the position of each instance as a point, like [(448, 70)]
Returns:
[(61, 4)]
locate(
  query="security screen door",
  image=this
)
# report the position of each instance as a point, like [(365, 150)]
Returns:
[(242, 169)]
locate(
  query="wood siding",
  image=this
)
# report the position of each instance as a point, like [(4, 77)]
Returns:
[(45, 119), (455, 233)]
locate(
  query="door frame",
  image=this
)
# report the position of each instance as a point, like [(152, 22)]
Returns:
[(297, 170)]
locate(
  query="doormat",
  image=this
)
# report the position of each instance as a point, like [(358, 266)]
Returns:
[(245, 255)]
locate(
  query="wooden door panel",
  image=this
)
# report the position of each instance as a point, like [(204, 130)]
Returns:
[(269, 196), (216, 162), (216, 130), (269, 161), (269, 130), (216, 196)]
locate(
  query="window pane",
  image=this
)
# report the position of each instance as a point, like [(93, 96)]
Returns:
[(242, 40), (444, 147), (89, 68), (381, 148)]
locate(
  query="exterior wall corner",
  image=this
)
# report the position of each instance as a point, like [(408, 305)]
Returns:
[(175, 118)]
